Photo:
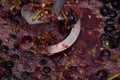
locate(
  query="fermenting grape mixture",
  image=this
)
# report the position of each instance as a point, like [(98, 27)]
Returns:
[(94, 56)]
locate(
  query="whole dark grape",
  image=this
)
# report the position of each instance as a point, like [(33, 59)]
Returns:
[(102, 74), (104, 10)]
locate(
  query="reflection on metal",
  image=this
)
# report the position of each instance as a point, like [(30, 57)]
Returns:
[(72, 37), (28, 16), (58, 6), (53, 49)]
